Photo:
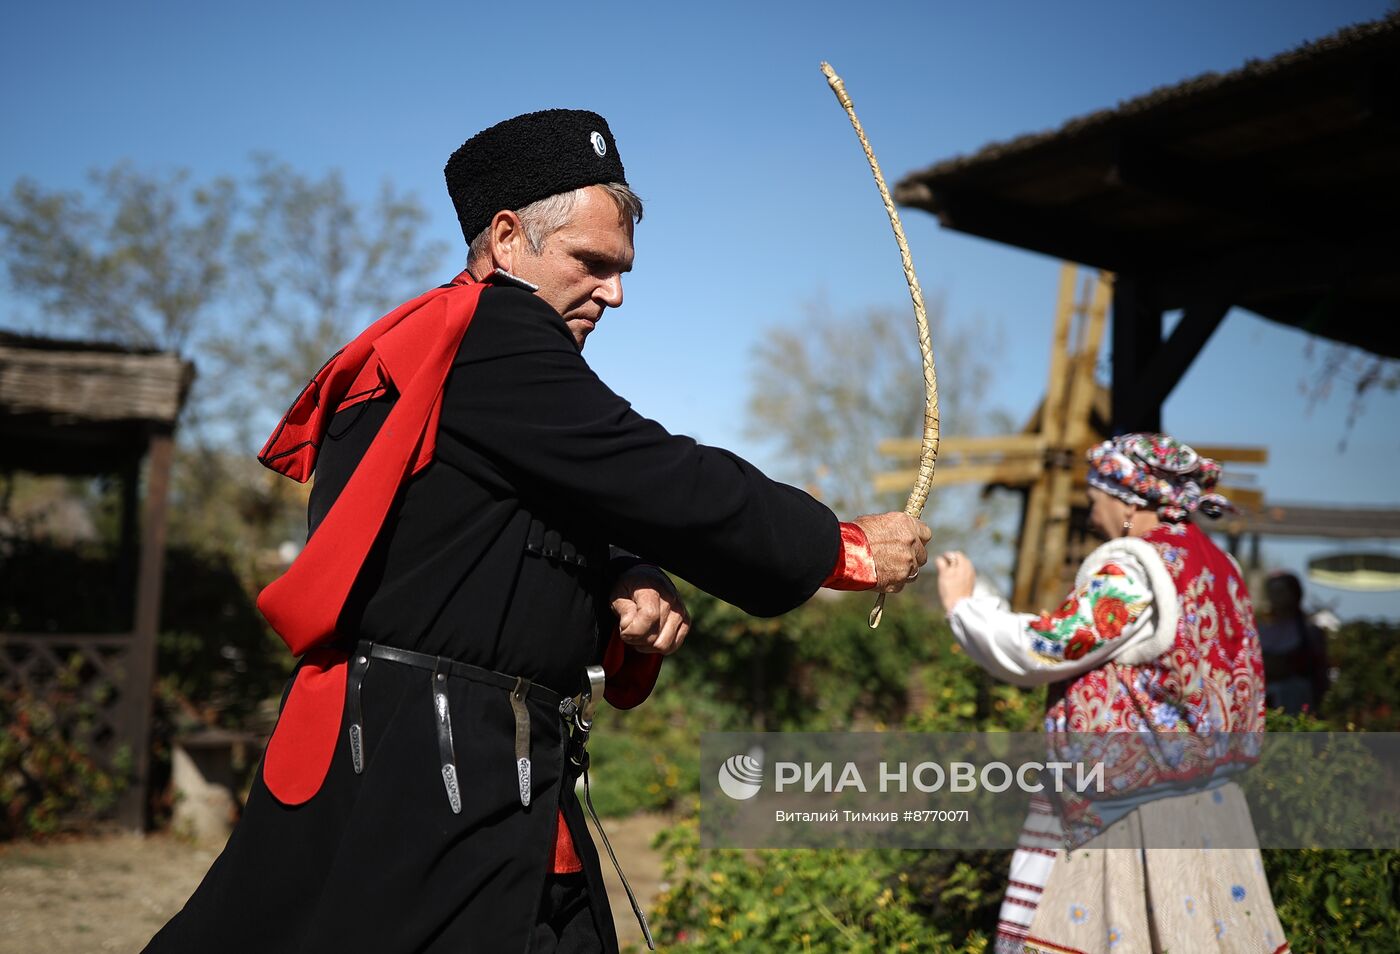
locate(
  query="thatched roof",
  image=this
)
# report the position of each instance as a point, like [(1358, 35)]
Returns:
[(66, 405), (1273, 187)]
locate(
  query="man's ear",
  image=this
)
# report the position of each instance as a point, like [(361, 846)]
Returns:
[(507, 240)]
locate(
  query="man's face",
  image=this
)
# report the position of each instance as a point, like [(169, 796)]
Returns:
[(579, 269)]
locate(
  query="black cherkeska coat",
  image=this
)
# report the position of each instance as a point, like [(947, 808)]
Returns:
[(535, 456)]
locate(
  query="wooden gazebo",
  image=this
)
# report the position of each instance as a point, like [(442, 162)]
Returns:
[(1272, 188), (82, 408)]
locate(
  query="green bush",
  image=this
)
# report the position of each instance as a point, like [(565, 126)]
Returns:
[(49, 779), (215, 653), (216, 661), (793, 901), (1340, 902), (816, 669), (954, 694), (1334, 901), (648, 758), (1366, 655), (822, 669)]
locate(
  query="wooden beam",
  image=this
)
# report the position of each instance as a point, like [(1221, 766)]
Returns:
[(1380, 94), (1245, 498), (131, 809), (1050, 232), (1288, 520), (1137, 334), (1052, 430), (1006, 445), (129, 542), (1011, 473), (1233, 188), (1171, 360), (1236, 455), (1052, 421), (1082, 387), (1267, 270)]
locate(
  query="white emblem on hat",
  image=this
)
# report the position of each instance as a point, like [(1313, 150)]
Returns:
[(600, 145)]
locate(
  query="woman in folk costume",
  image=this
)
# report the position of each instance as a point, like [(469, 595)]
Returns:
[(1154, 668)]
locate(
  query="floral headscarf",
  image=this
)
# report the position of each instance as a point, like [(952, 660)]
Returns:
[(1160, 472)]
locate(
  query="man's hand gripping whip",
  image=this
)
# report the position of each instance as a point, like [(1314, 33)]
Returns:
[(928, 452)]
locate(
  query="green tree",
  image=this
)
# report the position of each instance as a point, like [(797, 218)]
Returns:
[(257, 281), (1349, 370), (139, 260), (310, 267), (826, 391)]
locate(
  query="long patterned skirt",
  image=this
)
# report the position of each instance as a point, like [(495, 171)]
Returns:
[(1116, 895)]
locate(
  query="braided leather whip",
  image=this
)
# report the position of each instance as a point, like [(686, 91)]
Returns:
[(928, 451)]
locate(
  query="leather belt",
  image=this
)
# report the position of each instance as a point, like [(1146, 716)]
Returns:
[(442, 668), (455, 669), (576, 711)]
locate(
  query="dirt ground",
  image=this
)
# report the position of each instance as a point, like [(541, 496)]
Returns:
[(112, 893), (94, 894), (631, 839)]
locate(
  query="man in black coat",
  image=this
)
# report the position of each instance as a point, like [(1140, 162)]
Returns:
[(479, 495)]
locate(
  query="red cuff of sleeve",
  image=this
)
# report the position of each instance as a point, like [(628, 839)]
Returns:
[(855, 564), (631, 674)]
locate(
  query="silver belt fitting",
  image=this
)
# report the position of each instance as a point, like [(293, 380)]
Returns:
[(583, 725), (522, 737), (359, 665), (583, 719), (446, 755)]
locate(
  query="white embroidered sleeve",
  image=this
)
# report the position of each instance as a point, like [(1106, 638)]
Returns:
[(1123, 607)]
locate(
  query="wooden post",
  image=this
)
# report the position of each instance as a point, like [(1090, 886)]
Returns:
[(1174, 356), (1137, 334), (129, 545), (1050, 581), (1028, 561), (141, 662)]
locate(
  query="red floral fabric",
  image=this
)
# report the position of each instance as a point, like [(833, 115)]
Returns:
[(1210, 681), (1096, 612), (1110, 615)]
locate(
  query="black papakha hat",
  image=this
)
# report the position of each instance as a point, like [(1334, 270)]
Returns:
[(528, 158)]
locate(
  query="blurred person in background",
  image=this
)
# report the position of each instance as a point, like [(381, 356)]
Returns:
[(1295, 649)]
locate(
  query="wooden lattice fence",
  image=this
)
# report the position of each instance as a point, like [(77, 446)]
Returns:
[(85, 409)]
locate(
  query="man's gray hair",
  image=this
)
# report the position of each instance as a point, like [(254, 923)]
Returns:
[(543, 217)]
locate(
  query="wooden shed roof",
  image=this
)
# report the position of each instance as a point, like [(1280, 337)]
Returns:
[(1273, 187), (84, 407)]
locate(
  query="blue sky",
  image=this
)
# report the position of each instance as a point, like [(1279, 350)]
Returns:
[(758, 196)]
